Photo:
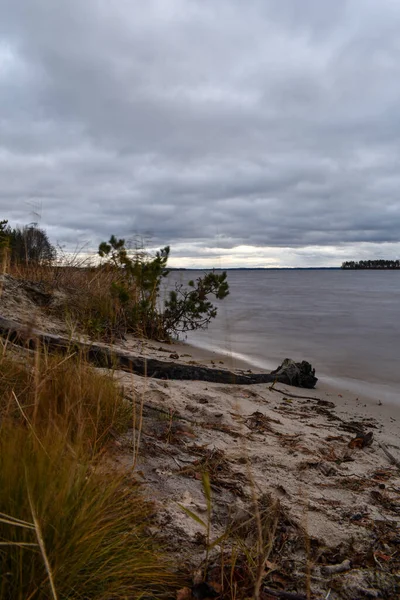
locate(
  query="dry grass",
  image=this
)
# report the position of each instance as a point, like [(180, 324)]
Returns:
[(54, 393), (83, 293), (89, 302), (68, 529), (99, 301), (90, 528)]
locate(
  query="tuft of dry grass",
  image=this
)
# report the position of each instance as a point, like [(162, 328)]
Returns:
[(88, 301), (65, 394), (68, 530), (68, 527)]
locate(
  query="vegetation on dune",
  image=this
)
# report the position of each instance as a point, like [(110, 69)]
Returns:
[(121, 294), (55, 393), (68, 528)]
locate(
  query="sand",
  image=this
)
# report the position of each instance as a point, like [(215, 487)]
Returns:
[(284, 443)]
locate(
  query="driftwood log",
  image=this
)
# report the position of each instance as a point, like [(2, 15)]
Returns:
[(291, 373)]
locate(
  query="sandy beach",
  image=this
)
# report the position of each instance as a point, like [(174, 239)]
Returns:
[(280, 443), (322, 466), (347, 401)]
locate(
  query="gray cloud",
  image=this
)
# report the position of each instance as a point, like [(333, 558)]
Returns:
[(204, 124)]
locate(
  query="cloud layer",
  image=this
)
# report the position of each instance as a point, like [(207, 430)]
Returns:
[(259, 132)]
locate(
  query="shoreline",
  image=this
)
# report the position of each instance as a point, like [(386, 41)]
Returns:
[(347, 401), (367, 390)]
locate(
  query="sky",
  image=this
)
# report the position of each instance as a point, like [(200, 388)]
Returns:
[(256, 133)]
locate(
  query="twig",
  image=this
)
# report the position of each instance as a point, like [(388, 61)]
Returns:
[(333, 569), (284, 595), (390, 456), (189, 420), (274, 389)]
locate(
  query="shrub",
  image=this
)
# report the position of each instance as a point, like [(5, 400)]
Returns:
[(139, 289)]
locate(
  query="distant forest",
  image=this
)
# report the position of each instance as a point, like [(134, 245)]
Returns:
[(371, 264)]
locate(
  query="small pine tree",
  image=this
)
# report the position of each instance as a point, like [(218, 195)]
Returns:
[(139, 291)]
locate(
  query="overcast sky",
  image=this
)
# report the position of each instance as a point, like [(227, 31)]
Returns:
[(257, 132)]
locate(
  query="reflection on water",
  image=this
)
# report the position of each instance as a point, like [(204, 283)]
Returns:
[(346, 323)]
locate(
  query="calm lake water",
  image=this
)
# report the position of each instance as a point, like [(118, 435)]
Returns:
[(346, 323)]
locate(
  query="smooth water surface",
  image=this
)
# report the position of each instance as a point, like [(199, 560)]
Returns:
[(346, 323)]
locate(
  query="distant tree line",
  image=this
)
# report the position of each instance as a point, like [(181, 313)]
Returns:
[(25, 245), (372, 264)]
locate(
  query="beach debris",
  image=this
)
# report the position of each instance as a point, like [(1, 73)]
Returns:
[(358, 517), (283, 595), (327, 469), (218, 468), (384, 500), (355, 483), (362, 440), (390, 456), (298, 374), (260, 422), (381, 475), (358, 427), (184, 594)]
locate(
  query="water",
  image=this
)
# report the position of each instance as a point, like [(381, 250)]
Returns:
[(346, 323)]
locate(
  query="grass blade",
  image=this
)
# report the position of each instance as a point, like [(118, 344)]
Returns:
[(193, 516), (42, 546)]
